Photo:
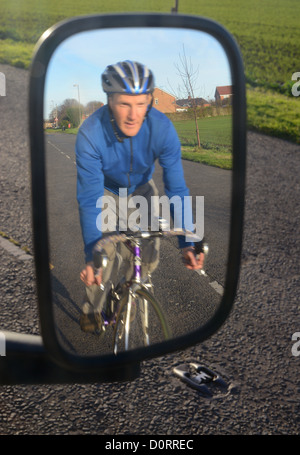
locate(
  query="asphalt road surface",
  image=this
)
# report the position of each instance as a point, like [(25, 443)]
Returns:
[(253, 351)]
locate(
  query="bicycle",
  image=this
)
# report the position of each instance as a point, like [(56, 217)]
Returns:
[(134, 299)]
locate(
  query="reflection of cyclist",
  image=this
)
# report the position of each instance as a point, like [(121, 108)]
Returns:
[(116, 149)]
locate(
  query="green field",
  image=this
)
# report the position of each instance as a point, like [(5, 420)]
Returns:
[(215, 138), (215, 132), (267, 32)]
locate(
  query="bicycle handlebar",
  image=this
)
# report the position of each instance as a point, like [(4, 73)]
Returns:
[(100, 258), (123, 237)]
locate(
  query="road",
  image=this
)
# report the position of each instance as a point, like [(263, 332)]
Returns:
[(252, 350)]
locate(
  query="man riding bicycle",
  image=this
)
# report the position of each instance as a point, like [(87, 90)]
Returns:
[(116, 149)]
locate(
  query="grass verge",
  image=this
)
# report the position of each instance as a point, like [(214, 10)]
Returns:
[(210, 157), (16, 53), (67, 131), (274, 114)]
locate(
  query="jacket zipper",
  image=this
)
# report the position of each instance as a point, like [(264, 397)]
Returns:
[(131, 162)]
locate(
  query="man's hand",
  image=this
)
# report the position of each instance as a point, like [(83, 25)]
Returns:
[(88, 276), (192, 261)]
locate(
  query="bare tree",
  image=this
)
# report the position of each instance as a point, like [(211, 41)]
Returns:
[(92, 106), (189, 77)]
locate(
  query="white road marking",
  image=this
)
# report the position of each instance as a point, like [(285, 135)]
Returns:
[(214, 284), (59, 150), (14, 250), (217, 287)]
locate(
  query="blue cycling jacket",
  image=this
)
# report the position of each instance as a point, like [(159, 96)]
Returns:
[(104, 162)]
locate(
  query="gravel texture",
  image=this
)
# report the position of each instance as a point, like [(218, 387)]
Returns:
[(252, 350)]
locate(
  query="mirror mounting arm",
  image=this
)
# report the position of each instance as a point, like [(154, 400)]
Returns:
[(26, 361)]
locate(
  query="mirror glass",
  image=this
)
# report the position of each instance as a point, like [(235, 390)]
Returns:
[(193, 88)]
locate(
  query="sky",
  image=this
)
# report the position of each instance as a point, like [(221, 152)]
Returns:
[(76, 66)]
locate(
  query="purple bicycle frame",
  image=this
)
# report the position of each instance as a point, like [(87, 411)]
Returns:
[(136, 251), (137, 262)]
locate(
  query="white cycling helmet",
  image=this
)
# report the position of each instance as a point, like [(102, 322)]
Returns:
[(127, 77)]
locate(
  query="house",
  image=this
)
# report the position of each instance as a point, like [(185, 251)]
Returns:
[(191, 102), (223, 92), (166, 103), (163, 101)]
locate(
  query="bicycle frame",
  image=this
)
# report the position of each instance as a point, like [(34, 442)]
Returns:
[(134, 246), (133, 243)]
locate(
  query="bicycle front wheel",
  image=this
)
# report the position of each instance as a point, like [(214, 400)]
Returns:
[(140, 322)]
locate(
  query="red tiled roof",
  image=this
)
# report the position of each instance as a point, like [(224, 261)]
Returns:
[(225, 90)]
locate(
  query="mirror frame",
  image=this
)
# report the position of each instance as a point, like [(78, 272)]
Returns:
[(43, 52)]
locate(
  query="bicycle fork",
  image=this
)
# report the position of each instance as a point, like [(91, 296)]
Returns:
[(142, 306)]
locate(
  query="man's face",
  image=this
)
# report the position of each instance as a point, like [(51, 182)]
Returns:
[(129, 111)]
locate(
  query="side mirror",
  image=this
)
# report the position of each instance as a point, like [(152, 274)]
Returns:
[(80, 49)]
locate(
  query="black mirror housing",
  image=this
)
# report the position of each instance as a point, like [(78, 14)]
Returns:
[(45, 48)]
